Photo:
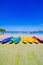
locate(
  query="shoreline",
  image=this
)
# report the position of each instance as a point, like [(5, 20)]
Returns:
[(16, 35)]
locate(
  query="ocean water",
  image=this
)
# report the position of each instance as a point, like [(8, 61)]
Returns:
[(22, 32)]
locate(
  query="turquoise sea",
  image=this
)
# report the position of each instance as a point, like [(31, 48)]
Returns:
[(22, 32)]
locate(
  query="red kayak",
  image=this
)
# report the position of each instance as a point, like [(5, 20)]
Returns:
[(41, 41)]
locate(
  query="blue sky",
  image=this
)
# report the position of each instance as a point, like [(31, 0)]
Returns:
[(21, 14)]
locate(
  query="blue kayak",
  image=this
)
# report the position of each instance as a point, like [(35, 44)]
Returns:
[(0, 40), (7, 39)]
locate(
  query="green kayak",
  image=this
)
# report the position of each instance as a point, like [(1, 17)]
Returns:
[(15, 40)]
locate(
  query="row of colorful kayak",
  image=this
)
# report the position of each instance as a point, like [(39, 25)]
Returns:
[(24, 39)]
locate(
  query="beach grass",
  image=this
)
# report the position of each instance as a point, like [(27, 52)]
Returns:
[(21, 54)]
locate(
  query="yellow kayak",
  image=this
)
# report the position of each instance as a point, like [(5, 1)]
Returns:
[(24, 39), (29, 39)]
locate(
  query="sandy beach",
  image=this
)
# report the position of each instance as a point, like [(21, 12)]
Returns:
[(21, 54)]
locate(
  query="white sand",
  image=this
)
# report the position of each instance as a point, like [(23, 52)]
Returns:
[(40, 36)]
